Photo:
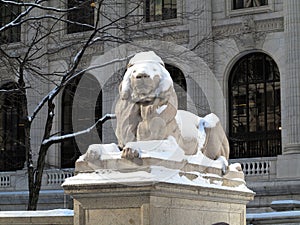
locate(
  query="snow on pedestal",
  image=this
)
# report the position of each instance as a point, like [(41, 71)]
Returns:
[(103, 163)]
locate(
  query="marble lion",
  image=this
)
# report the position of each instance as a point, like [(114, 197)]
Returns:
[(147, 110)]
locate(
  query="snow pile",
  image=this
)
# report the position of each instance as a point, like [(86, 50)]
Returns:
[(101, 152), (155, 174)]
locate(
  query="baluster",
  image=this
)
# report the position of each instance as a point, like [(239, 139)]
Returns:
[(260, 167), (49, 178)]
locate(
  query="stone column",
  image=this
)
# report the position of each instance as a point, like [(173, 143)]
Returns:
[(199, 15), (200, 29), (291, 79)]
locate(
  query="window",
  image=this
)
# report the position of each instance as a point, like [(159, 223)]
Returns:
[(9, 12), (240, 4), (12, 134), (254, 100), (156, 10), (81, 16)]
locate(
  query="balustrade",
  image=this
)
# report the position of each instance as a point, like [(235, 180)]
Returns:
[(256, 166), (4, 180), (53, 179), (58, 176)]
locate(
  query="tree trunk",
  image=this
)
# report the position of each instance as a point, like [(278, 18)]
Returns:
[(37, 175)]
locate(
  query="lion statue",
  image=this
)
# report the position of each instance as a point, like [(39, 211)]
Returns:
[(148, 110)]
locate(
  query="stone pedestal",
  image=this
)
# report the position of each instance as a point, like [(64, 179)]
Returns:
[(155, 203)]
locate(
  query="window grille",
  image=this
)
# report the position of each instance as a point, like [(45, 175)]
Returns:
[(240, 4), (254, 107), (156, 10)]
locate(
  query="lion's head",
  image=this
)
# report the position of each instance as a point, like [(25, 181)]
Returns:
[(146, 78)]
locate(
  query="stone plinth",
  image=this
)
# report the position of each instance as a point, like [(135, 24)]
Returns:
[(155, 203)]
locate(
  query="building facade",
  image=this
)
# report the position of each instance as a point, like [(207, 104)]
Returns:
[(236, 58)]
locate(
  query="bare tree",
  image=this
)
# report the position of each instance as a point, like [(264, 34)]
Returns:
[(44, 23)]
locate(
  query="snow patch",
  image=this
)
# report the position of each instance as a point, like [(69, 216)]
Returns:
[(39, 213), (272, 216), (201, 159), (161, 109), (282, 202), (162, 149), (235, 167), (101, 152)]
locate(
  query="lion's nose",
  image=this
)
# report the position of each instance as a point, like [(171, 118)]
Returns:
[(142, 75)]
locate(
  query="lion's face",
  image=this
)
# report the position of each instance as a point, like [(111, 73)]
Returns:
[(144, 80)]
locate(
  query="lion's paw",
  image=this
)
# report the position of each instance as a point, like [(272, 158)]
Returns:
[(128, 153)]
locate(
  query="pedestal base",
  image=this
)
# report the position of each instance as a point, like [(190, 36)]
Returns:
[(153, 203)]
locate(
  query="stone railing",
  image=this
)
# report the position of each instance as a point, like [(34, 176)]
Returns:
[(257, 166), (57, 177), (17, 180), (5, 180)]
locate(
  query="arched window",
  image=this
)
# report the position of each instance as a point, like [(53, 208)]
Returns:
[(85, 116), (179, 85), (12, 134), (254, 107)]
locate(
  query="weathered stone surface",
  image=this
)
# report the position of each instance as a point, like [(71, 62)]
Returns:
[(157, 204)]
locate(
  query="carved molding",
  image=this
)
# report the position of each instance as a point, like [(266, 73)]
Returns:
[(250, 40), (249, 33), (230, 12), (179, 37), (249, 25)]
